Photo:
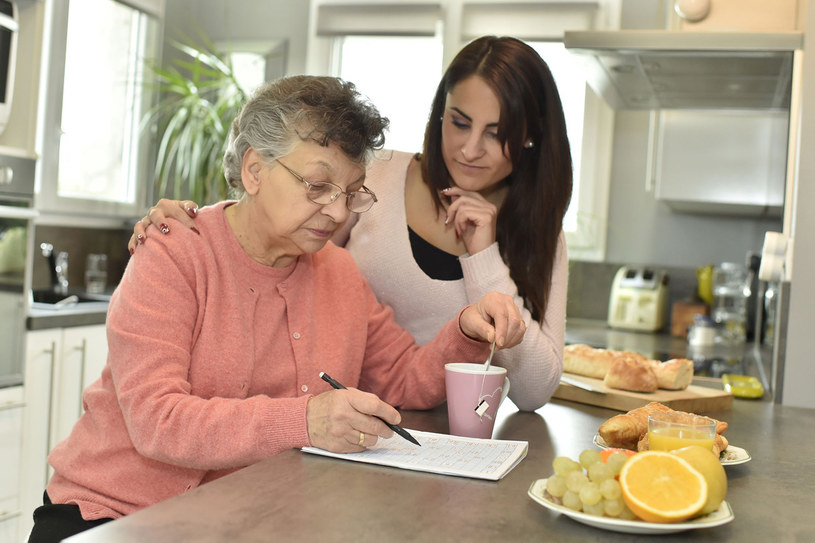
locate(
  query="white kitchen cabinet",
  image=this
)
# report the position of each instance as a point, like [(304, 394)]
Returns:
[(60, 363), (725, 163), (11, 429)]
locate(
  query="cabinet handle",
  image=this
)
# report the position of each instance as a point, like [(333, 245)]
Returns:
[(83, 349), (53, 352), (11, 405), (5, 515)]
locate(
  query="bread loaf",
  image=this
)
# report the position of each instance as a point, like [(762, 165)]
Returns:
[(585, 360), (674, 374), (581, 359), (631, 374)]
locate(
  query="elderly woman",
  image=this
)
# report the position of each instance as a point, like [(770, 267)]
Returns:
[(261, 304)]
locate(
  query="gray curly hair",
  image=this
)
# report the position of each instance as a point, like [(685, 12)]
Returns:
[(284, 112)]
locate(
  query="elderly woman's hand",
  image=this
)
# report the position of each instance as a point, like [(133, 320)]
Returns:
[(494, 316), (345, 420)]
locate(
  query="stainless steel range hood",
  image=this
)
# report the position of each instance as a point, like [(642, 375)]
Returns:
[(662, 69)]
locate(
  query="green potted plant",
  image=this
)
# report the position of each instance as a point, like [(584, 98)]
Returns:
[(198, 98)]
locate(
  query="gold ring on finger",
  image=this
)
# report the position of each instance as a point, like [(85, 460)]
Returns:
[(361, 439)]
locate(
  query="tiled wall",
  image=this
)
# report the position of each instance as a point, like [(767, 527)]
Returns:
[(79, 242), (590, 287)]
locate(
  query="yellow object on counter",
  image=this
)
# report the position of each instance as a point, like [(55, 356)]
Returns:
[(704, 280), (742, 386)]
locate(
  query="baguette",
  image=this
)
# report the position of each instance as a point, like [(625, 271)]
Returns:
[(585, 360), (627, 373), (674, 374)]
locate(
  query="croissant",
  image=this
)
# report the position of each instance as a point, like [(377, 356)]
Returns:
[(625, 430)]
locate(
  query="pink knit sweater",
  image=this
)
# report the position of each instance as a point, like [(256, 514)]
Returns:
[(213, 357)]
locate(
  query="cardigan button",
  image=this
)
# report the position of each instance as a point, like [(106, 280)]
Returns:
[(296, 335), (304, 388)]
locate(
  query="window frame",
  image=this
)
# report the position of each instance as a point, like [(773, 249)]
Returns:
[(533, 20), (81, 211)]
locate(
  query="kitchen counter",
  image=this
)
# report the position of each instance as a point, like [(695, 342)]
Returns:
[(79, 315), (295, 496)]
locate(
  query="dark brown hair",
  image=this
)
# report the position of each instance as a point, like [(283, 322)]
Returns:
[(540, 185)]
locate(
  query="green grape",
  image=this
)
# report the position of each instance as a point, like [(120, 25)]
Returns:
[(589, 457), (596, 509), (556, 485), (610, 488), (599, 472), (575, 480), (616, 461), (572, 501), (627, 514), (613, 508), (563, 465), (590, 494)]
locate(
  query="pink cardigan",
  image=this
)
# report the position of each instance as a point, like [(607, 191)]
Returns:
[(213, 357)]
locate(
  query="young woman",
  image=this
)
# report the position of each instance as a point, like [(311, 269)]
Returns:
[(480, 209)]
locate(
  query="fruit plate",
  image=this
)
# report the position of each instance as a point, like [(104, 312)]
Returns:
[(722, 515), (731, 456)]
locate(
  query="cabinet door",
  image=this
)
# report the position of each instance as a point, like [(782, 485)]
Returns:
[(42, 348), (11, 429), (83, 354)]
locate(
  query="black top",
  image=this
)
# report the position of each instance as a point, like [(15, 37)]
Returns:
[(437, 264)]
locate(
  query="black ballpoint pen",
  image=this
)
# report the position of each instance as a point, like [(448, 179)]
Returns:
[(401, 431)]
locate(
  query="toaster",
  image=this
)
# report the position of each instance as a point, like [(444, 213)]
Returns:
[(638, 299)]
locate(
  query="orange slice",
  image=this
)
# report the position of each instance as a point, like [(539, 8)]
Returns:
[(661, 487)]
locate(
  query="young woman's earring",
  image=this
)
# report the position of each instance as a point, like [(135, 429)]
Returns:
[(529, 144)]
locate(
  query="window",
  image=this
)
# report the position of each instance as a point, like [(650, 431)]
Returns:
[(94, 147), (399, 75)]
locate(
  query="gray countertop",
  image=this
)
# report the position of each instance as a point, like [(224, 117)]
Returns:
[(295, 496), (79, 315)]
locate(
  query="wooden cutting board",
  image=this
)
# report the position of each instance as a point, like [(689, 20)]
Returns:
[(694, 399)]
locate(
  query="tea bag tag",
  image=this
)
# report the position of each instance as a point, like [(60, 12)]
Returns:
[(481, 408)]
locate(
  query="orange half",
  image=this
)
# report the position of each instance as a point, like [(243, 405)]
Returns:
[(661, 487)]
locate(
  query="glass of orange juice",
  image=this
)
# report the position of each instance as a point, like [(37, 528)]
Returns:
[(671, 431)]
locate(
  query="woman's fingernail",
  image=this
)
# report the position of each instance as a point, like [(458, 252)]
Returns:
[(132, 251), (140, 238), (446, 220), (164, 228), (445, 190), (194, 229)]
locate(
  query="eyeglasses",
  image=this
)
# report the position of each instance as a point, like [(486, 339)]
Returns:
[(324, 194)]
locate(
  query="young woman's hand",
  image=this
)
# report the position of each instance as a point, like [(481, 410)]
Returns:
[(495, 316), (473, 217), (183, 211)]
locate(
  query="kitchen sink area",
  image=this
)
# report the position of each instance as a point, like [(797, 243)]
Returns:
[(51, 300)]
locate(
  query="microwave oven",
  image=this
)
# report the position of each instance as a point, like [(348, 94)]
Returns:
[(8, 57)]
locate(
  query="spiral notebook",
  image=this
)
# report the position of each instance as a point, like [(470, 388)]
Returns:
[(489, 459)]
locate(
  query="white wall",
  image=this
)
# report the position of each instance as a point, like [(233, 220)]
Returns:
[(245, 20)]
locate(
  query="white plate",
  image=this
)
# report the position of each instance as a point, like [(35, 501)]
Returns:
[(731, 456), (722, 515)]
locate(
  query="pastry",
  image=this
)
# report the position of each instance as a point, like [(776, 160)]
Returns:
[(628, 373), (625, 430)]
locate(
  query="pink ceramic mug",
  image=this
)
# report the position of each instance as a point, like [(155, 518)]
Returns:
[(467, 386)]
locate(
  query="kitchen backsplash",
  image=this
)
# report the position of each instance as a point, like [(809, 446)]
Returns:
[(78, 243), (590, 287)]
